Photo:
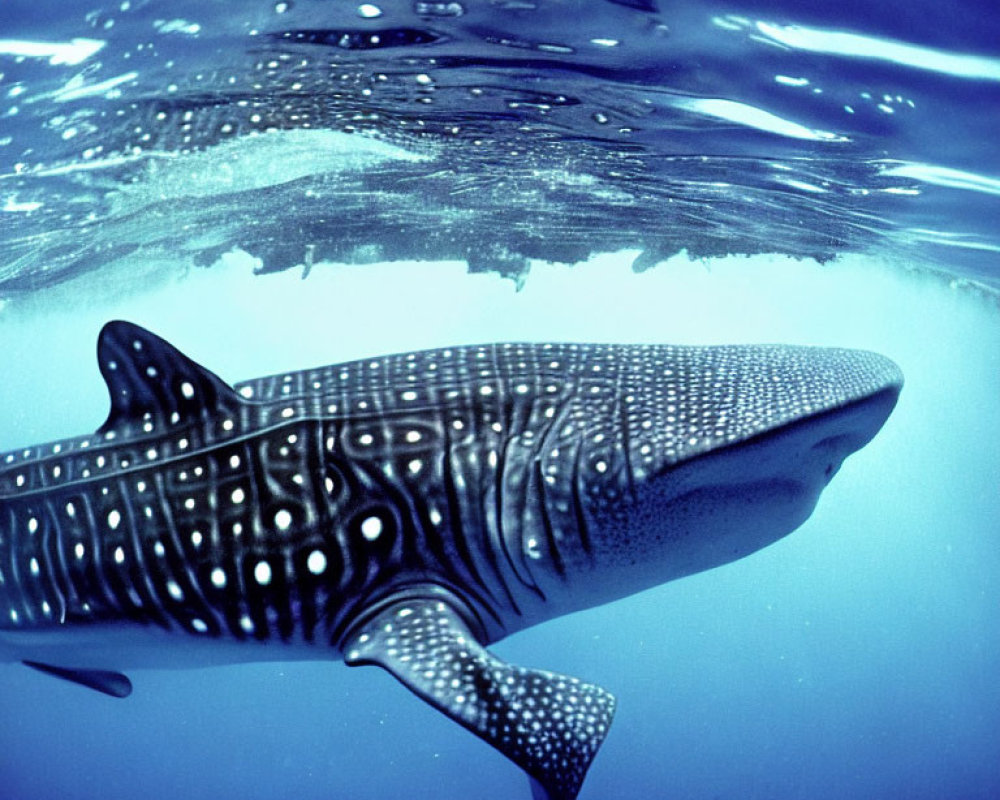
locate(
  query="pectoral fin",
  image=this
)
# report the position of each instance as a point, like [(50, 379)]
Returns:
[(550, 725), (101, 680)]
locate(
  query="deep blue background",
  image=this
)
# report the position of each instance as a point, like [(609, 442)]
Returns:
[(857, 658)]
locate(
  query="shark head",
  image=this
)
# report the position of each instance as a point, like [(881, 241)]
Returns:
[(702, 455)]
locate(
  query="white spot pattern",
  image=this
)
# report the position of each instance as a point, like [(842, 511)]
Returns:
[(564, 407)]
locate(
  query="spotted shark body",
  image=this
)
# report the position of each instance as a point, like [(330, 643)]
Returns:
[(409, 510)]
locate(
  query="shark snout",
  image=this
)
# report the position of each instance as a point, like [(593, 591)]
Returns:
[(731, 498), (867, 386), (705, 400), (803, 456)]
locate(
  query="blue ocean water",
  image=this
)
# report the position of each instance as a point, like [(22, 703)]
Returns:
[(691, 172)]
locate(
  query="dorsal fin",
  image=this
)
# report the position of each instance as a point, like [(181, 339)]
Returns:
[(149, 376)]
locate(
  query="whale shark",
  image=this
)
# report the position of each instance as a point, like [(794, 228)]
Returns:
[(409, 510)]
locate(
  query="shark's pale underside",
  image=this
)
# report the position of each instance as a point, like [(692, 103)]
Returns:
[(409, 510)]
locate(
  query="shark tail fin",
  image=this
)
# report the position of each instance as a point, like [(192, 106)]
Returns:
[(548, 724)]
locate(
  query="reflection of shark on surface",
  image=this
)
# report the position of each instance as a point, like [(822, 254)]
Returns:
[(409, 510)]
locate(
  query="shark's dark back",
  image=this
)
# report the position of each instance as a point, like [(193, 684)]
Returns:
[(277, 509), (408, 510)]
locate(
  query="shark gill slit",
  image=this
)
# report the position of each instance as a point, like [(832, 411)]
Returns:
[(500, 416), (74, 597), (416, 533), (47, 580), (301, 586), (331, 501), (92, 581), (581, 519), (280, 545), (226, 556), (379, 487), (457, 526), (306, 586), (487, 534), (626, 443), (516, 557), (550, 535), (183, 565), (362, 570), (12, 573), (31, 592), (410, 546), (398, 505), (434, 539), (38, 592), (499, 500), (473, 593), (93, 563), (263, 544), (53, 560), (146, 590), (430, 539)]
